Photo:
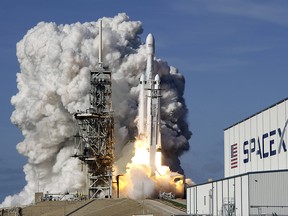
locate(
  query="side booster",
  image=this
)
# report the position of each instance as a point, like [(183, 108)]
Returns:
[(149, 105)]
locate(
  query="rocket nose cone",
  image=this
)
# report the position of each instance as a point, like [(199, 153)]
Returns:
[(157, 78), (150, 39), (150, 44)]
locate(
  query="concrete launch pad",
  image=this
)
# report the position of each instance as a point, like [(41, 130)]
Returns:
[(107, 207)]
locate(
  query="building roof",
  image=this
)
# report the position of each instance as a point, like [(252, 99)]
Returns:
[(243, 174)]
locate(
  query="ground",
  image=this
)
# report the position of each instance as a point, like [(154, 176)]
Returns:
[(108, 207)]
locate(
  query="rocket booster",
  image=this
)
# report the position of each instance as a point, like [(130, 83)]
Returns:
[(149, 104)]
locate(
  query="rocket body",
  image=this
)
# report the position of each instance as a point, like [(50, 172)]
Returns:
[(149, 105)]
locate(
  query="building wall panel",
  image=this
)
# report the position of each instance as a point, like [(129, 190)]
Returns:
[(274, 138), (214, 198), (227, 135), (259, 151), (282, 118), (241, 136), (247, 133), (262, 142), (189, 202), (238, 196), (219, 197), (268, 193), (245, 195), (253, 157), (265, 140)]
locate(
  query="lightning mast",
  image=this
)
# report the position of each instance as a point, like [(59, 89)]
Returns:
[(95, 138)]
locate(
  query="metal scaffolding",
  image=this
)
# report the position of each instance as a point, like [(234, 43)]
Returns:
[(95, 138)]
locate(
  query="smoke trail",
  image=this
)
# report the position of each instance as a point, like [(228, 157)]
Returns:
[(53, 83)]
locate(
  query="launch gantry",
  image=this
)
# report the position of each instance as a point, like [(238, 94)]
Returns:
[(95, 139)]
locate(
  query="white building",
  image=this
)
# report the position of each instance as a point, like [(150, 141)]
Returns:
[(256, 169)]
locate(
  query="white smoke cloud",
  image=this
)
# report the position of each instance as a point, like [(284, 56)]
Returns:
[(53, 83)]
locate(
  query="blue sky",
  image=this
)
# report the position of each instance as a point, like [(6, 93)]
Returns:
[(233, 55)]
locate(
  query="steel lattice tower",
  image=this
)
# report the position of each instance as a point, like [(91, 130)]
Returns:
[(95, 139)]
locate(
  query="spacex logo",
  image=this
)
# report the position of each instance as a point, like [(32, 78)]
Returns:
[(234, 156)]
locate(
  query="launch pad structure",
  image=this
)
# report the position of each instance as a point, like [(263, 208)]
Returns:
[(95, 137)]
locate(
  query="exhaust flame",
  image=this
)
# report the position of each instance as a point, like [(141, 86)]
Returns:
[(141, 154), (139, 181)]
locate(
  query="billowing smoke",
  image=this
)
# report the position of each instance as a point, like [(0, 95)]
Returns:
[(55, 62)]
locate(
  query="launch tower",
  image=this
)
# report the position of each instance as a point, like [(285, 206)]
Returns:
[(95, 139)]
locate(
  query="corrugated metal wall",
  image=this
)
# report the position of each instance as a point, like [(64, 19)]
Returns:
[(258, 142), (218, 197), (269, 193), (250, 194)]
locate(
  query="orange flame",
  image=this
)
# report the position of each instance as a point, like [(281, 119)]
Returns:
[(139, 180)]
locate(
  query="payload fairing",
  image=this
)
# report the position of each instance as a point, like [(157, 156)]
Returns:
[(149, 105)]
